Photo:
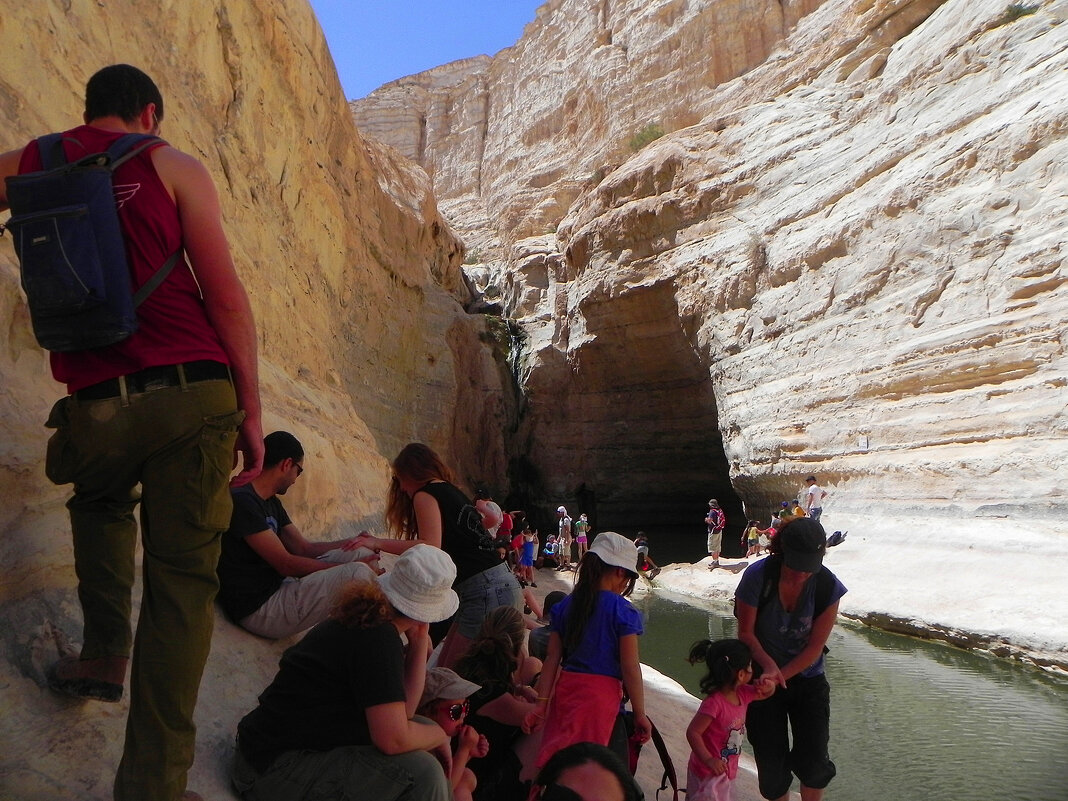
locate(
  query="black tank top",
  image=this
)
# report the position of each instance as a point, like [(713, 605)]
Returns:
[(463, 537)]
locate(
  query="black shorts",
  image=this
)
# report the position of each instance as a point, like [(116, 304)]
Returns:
[(805, 705)]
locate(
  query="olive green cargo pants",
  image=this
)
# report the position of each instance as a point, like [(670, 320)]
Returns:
[(177, 443)]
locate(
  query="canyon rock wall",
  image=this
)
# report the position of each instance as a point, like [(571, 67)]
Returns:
[(356, 286), (863, 247), (849, 263)]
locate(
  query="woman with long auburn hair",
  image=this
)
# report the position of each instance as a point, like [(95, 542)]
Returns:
[(424, 506)]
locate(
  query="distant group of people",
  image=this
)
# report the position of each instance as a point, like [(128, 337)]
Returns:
[(569, 533), (755, 539)]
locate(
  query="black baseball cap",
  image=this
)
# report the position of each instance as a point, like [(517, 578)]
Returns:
[(804, 544)]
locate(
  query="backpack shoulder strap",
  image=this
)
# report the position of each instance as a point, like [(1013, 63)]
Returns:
[(772, 571), (670, 775), (129, 145), (149, 286), (50, 147), (824, 588), (122, 150)]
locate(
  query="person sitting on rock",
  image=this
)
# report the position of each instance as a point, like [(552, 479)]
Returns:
[(274, 582), (445, 701), (548, 551), (497, 661), (338, 720), (538, 639)]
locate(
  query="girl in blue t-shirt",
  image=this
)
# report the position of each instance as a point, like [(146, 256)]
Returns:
[(593, 653)]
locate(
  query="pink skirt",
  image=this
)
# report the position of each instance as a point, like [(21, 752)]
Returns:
[(583, 710)]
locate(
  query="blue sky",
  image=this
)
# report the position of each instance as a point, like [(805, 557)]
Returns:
[(377, 41)]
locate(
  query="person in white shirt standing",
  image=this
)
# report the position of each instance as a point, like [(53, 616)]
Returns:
[(813, 499), (563, 539)]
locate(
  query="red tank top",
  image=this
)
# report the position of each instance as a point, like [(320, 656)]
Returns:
[(173, 325)]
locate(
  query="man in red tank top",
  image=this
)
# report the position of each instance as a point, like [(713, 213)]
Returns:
[(164, 409)]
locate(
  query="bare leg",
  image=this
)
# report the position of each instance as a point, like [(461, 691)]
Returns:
[(811, 794), (466, 787), (454, 646), (532, 601)]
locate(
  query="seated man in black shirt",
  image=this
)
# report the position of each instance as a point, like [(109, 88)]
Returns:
[(274, 582)]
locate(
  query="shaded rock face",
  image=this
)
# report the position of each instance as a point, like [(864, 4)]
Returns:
[(511, 142), (355, 282), (849, 264)]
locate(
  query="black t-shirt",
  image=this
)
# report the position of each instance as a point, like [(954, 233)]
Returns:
[(246, 579), (325, 683), (463, 537), (499, 769)]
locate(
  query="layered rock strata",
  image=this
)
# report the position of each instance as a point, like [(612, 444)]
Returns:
[(847, 264), (355, 282)]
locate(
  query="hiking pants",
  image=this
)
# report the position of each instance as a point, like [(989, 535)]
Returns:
[(349, 772), (178, 444), (805, 704), (300, 603)]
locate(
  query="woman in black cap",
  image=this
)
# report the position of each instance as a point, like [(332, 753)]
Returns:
[(786, 607)]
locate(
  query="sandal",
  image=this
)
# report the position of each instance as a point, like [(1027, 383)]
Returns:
[(81, 686)]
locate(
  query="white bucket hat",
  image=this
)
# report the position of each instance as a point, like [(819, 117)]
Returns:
[(616, 550), (420, 584)]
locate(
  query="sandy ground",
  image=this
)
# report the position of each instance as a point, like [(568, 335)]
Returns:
[(989, 584)]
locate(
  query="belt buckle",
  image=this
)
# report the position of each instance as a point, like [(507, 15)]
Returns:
[(159, 382)]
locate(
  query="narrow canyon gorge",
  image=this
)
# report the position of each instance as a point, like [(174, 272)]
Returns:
[(654, 252), (750, 241)]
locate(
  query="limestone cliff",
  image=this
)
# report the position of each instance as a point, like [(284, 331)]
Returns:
[(848, 263), (356, 286)]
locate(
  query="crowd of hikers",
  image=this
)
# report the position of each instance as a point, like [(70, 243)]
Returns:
[(413, 678), (461, 683)]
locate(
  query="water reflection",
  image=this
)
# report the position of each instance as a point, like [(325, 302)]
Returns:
[(910, 719)]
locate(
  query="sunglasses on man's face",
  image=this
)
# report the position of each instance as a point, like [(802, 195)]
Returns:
[(457, 711)]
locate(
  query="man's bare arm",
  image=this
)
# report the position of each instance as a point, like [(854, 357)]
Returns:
[(225, 299), (297, 543), (268, 545)]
